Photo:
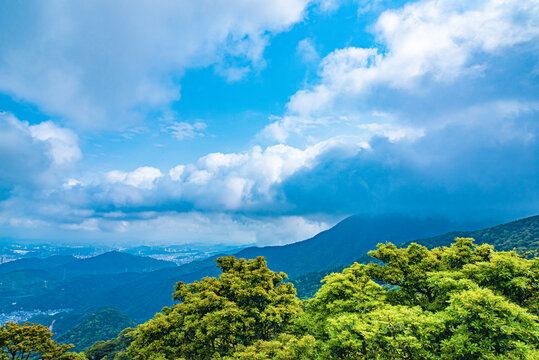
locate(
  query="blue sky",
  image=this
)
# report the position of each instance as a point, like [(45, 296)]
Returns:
[(263, 122)]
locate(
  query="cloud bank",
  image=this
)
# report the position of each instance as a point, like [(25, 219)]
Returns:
[(438, 117)]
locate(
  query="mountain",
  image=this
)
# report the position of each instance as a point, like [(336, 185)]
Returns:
[(104, 324), (112, 262), (141, 294), (344, 243), (61, 322), (36, 263), (521, 235)]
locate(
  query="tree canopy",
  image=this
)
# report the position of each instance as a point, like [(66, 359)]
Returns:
[(462, 302), (459, 302), (217, 316), (31, 341)]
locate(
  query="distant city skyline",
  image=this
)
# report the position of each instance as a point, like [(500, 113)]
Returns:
[(257, 122)]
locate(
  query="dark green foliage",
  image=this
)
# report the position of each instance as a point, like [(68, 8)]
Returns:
[(111, 349), (465, 302), (104, 324)]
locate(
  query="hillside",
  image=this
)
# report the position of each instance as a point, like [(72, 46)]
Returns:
[(106, 323), (522, 235), (112, 262), (141, 295), (36, 263), (344, 243)]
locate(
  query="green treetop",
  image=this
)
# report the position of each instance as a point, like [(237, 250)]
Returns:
[(216, 316), (31, 341)]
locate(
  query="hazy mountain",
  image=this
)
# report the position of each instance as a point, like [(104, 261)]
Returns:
[(36, 263), (112, 262), (345, 242)]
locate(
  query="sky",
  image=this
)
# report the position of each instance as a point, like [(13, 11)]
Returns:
[(262, 122)]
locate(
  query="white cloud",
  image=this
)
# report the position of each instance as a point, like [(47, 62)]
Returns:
[(391, 132), (307, 51), (162, 228), (424, 46), (435, 38), (245, 180), (34, 155), (183, 130), (106, 71), (142, 178), (176, 172), (63, 143), (70, 183)]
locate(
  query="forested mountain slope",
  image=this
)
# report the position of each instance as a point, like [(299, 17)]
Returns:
[(344, 243), (522, 235), (104, 324)]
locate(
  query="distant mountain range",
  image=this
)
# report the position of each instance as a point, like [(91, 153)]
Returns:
[(113, 262), (127, 283)]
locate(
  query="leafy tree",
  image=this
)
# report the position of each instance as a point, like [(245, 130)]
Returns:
[(31, 341), (480, 324), (284, 347), (217, 316), (463, 302), (113, 348)]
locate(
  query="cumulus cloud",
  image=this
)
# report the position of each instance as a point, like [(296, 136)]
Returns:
[(143, 178), (248, 182), (419, 125), (62, 143), (435, 38), (105, 71), (251, 180), (425, 45), (34, 155)]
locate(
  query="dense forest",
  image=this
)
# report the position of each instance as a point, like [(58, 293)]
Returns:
[(465, 301)]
